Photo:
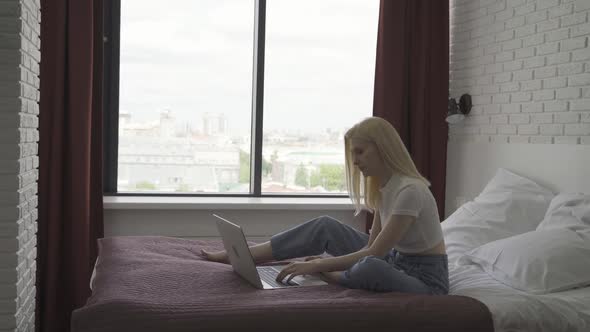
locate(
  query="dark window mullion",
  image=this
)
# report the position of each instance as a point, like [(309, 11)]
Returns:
[(257, 98)]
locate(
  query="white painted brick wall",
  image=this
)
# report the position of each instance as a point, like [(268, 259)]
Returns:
[(526, 64), (19, 96)]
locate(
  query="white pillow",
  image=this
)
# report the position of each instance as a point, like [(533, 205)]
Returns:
[(508, 205), (568, 210), (537, 262)]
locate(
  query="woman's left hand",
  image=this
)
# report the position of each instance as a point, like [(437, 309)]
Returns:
[(298, 268)]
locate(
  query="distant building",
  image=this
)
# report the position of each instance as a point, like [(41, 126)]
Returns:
[(124, 119), (166, 124), (129, 128), (177, 164), (151, 157), (214, 124), (284, 169)]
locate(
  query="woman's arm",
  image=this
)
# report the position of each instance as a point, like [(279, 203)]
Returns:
[(375, 229), (384, 241), (393, 232), (373, 232)]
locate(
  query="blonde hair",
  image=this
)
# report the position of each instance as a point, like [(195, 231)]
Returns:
[(393, 153)]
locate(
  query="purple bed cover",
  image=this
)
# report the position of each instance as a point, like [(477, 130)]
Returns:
[(158, 283)]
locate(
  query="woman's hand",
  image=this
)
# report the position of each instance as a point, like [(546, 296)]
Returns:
[(298, 268)]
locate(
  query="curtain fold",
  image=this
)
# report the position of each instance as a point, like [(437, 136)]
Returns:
[(70, 158), (412, 83)]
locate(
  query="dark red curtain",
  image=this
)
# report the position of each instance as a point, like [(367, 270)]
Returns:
[(412, 82), (70, 153)]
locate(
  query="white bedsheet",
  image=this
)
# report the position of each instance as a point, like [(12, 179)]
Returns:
[(513, 310)]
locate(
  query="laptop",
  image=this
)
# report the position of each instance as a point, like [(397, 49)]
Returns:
[(262, 277)]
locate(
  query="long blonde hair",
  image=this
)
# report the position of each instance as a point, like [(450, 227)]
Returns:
[(393, 153)]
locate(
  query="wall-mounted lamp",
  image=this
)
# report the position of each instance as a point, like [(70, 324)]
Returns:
[(456, 112)]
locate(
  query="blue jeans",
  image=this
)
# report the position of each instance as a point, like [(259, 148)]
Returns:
[(394, 272)]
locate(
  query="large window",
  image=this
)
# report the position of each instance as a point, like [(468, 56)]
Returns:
[(235, 97)]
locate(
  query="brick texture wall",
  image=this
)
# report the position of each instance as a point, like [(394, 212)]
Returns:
[(19, 109), (526, 65)]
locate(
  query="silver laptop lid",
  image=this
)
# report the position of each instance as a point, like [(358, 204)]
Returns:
[(238, 251)]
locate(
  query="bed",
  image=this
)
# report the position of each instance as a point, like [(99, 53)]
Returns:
[(157, 283), (146, 283), (562, 168), (512, 310), (153, 283)]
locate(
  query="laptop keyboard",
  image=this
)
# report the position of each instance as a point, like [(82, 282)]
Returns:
[(269, 275)]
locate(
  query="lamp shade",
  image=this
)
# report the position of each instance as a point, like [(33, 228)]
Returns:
[(453, 113), (456, 112), (455, 118)]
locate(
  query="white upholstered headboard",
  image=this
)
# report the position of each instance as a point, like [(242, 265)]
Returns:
[(560, 167)]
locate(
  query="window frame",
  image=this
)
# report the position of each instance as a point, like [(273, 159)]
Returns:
[(111, 63)]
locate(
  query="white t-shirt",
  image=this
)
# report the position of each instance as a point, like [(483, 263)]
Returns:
[(411, 197)]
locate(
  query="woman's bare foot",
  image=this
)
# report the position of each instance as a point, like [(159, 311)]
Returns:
[(218, 256), (260, 253)]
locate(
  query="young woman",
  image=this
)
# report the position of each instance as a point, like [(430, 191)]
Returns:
[(405, 251)]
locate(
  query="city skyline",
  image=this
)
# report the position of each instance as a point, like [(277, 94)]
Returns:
[(198, 126), (152, 157)]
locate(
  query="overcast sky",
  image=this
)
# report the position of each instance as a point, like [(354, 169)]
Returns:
[(195, 56)]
